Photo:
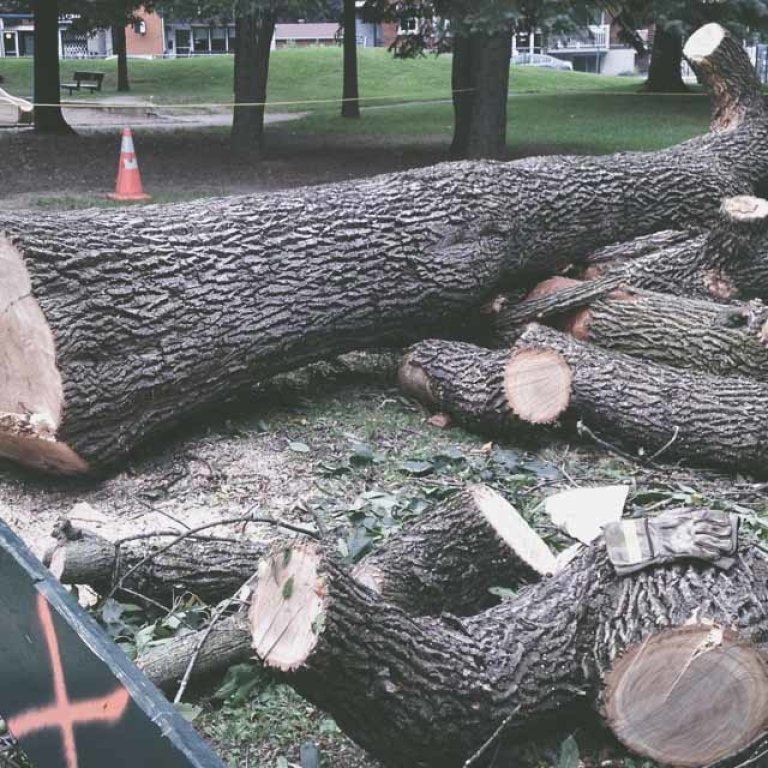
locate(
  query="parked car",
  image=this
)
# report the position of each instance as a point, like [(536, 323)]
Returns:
[(541, 60)]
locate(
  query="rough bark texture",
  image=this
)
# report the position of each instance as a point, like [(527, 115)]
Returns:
[(448, 559), (156, 313), (254, 29), (664, 72), (208, 568), (444, 561), (48, 119), (350, 106), (723, 340), (699, 418), (431, 692), (228, 643)]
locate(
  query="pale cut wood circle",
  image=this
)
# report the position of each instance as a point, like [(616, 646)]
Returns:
[(537, 383), (688, 696)]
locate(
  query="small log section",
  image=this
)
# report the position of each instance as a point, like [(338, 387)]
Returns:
[(206, 567), (695, 417), (117, 325), (432, 691)]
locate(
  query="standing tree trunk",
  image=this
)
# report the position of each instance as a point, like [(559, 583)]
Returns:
[(463, 95), (48, 118), (253, 31), (350, 105), (480, 81), (120, 49), (664, 75)]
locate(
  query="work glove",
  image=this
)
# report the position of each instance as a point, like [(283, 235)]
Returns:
[(679, 534)]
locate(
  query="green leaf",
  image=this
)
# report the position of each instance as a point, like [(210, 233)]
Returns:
[(503, 592), (569, 754), (361, 454), (188, 711), (288, 589), (416, 468), (299, 447), (281, 762)]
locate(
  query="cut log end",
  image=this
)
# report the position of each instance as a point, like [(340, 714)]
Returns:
[(537, 383), (745, 208), (286, 611), (31, 392), (414, 382), (689, 696), (704, 42), (527, 545)]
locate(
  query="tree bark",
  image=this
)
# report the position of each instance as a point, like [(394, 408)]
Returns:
[(448, 559), (699, 418), (664, 72), (210, 569), (253, 34), (350, 105), (729, 262), (444, 561), (723, 340), (480, 82), (119, 329), (48, 118), (432, 692), (120, 48)]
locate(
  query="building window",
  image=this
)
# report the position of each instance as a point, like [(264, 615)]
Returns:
[(408, 26), (218, 40), (140, 27)]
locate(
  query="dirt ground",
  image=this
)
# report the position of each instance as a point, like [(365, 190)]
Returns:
[(181, 157)]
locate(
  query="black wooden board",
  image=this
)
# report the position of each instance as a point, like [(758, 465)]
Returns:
[(68, 694)]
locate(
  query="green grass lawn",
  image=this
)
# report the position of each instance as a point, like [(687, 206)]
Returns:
[(305, 75)]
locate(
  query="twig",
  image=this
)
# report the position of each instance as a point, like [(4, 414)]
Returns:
[(247, 518), (583, 429), (666, 445), (217, 614), (495, 735)]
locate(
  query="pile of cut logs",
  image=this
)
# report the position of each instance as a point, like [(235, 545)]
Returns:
[(623, 295)]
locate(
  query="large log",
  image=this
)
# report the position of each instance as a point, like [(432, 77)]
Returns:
[(549, 376), (119, 324), (432, 692), (721, 339)]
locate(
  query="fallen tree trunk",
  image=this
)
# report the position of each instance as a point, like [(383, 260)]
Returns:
[(446, 560), (720, 339), (119, 324), (433, 692), (548, 376)]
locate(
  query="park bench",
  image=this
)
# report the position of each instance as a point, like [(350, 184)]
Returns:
[(88, 80)]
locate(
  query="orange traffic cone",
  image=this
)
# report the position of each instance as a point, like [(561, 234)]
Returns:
[(128, 176)]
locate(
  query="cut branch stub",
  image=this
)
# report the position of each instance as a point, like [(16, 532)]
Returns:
[(538, 385), (450, 557), (720, 66), (688, 696)]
